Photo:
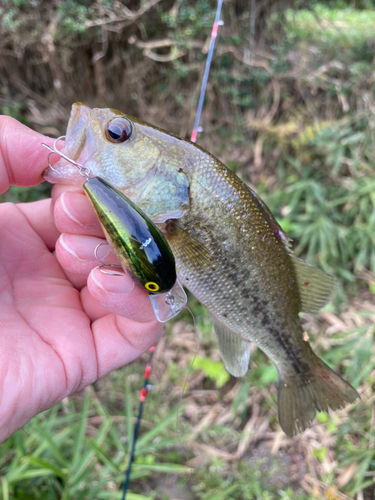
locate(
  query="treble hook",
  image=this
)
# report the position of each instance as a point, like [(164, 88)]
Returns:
[(103, 264), (84, 171)]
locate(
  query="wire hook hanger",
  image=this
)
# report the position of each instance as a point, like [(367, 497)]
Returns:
[(84, 171), (102, 264)]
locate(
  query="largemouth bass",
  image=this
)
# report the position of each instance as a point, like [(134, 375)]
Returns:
[(230, 251)]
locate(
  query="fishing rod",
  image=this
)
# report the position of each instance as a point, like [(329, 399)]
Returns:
[(215, 28), (142, 399), (196, 129)]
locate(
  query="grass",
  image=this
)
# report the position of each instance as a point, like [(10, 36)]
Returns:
[(328, 25), (212, 442), (79, 450)]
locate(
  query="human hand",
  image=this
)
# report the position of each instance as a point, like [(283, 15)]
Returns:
[(63, 324)]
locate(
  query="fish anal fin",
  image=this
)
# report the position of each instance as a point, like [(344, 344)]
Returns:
[(315, 286), (234, 351), (299, 398)]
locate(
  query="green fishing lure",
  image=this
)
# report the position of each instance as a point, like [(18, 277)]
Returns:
[(139, 245)]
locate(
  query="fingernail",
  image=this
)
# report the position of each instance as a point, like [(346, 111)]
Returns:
[(78, 208), (112, 284), (83, 247)]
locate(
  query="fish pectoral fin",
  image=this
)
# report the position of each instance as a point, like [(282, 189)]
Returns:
[(234, 351), (188, 249), (315, 286)]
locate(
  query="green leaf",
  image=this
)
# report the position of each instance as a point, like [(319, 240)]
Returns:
[(156, 431), (79, 438), (129, 415), (5, 488), (222, 494), (214, 370), (62, 473), (164, 467), (320, 453), (268, 374), (51, 443), (102, 455)]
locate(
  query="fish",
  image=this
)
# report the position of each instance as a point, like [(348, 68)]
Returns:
[(230, 251)]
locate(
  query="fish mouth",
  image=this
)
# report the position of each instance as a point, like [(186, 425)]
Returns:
[(74, 144), (76, 131)]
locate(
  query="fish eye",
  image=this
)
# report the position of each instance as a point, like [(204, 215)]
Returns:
[(118, 130)]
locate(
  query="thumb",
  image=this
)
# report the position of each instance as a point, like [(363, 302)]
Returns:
[(22, 157)]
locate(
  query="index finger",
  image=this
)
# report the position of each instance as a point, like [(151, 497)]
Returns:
[(22, 157)]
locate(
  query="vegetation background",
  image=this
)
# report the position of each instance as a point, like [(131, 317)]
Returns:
[(290, 108)]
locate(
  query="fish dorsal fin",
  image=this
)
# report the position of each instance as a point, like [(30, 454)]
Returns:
[(315, 286), (277, 230), (234, 351)]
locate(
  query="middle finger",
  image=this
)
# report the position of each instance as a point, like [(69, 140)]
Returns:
[(76, 255), (73, 213)]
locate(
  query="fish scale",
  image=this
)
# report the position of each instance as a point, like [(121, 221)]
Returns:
[(230, 252)]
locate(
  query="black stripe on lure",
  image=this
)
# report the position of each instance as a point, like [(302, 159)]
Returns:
[(142, 250)]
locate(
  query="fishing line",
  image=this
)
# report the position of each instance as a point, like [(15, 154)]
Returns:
[(194, 134), (187, 378)]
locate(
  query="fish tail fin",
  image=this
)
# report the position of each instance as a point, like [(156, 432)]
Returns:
[(299, 398)]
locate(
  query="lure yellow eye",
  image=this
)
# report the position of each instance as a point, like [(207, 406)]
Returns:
[(152, 287)]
